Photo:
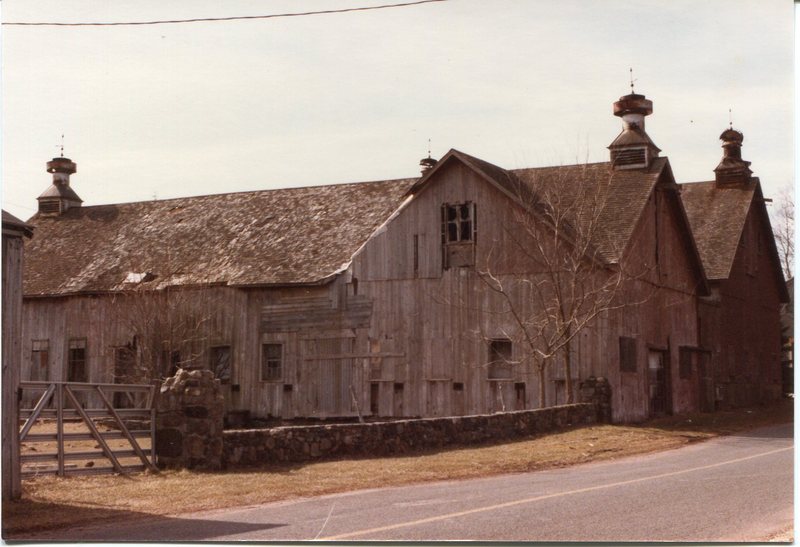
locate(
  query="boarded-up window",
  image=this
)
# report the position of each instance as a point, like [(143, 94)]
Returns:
[(271, 362), (76, 360), (500, 359), (220, 364), (627, 354), (685, 363), (40, 357)]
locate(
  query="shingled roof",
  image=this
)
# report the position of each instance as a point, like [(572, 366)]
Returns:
[(278, 237), (271, 237), (717, 218), (623, 195)]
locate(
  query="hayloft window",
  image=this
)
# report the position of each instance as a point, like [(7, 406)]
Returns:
[(627, 354), (220, 357), (458, 234), (459, 222), (40, 358), (76, 360), (500, 359), (271, 362)]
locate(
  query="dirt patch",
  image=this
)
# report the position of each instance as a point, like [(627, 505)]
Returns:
[(52, 502)]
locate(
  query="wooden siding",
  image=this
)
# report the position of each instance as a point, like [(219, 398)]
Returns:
[(740, 324)]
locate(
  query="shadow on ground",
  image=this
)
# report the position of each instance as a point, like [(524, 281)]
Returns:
[(90, 524)]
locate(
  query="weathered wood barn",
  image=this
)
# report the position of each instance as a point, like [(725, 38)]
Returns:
[(411, 297), (739, 322)]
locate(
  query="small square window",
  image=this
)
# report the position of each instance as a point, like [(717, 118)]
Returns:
[(271, 362)]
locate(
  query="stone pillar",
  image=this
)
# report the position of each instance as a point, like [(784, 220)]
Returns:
[(189, 417), (598, 392)]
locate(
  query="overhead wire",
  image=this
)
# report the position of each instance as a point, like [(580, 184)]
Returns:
[(218, 19)]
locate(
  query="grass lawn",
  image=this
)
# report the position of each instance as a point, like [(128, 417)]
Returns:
[(52, 502)]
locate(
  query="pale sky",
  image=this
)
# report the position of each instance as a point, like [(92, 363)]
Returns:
[(204, 108)]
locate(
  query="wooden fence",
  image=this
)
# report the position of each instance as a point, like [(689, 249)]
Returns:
[(60, 436)]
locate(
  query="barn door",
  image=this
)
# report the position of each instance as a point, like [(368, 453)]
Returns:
[(333, 386), (657, 376)]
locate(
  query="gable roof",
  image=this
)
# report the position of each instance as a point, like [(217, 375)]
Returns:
[(717, 217), (270, 237), (623, 192), (283, 237)]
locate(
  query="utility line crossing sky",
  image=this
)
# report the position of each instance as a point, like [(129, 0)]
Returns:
[(210, 107)]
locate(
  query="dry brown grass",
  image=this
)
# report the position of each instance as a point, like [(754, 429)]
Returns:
[(51, 502)]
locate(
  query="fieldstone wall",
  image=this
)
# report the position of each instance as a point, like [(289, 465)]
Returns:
[(597, 391), (189, 417), (303, 443)]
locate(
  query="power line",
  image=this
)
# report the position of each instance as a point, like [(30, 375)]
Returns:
[(217, 19)]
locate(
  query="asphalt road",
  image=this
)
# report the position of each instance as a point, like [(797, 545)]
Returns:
[(735, 488)]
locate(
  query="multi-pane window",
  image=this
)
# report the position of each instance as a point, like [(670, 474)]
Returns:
[(76, 360), (627, 354), (40, 356), (458, 222), (458, 235), (221, 363), (271, 362), (500, 359)]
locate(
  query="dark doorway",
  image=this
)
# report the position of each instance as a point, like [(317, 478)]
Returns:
[(658, 383)]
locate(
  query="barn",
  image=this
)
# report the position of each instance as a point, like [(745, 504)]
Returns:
[(470, 289)]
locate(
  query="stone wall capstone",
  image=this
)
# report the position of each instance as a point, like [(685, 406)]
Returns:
[(304, 443), (189, 420)]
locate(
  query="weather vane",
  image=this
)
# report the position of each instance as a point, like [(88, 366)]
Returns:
[(730, 119), (429, 147), (632, 80), (61, 145)]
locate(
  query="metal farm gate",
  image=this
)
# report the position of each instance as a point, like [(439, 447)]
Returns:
[(86, 428)]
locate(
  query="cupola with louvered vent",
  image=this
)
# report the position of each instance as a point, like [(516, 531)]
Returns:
[(633, 149), (59, 197)]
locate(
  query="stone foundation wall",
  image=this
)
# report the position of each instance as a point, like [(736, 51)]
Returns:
[(303, 443), (189, 415)]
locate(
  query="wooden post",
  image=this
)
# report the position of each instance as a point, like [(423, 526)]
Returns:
[(60, 426)]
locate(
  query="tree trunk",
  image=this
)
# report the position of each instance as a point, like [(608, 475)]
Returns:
[(542, 395), (568, 375)]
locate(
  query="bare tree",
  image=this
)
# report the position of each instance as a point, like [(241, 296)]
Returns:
[(560, 233), (170, 328), (784, 231)]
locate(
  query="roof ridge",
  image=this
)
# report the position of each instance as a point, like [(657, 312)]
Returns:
[(242, 192)]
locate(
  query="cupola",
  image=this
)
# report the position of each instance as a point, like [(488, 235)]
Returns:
[(732, 170), (633, 149), (59, 197), (426, 164)]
